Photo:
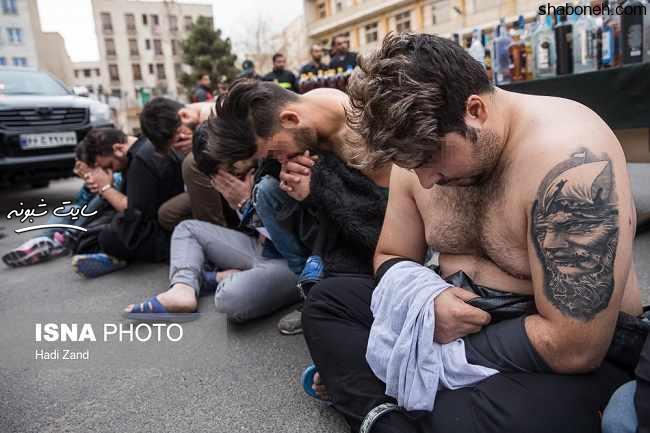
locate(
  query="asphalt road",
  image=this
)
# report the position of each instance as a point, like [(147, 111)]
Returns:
[(218, 378)]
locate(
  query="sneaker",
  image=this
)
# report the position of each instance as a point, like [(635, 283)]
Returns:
[(33, 251), (291, 324), (95, 265)]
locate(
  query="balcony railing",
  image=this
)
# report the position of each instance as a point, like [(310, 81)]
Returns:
[(131, 30), (108, 29)]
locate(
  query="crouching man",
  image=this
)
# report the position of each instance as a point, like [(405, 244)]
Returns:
[(505, 188)]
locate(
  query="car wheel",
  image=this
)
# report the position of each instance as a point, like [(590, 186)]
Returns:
[(40, 184)]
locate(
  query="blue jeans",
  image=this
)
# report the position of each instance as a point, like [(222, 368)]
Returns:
[(272, 205), (620, 413)]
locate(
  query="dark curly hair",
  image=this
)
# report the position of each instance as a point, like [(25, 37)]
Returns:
[(98, 142), (409, 94)]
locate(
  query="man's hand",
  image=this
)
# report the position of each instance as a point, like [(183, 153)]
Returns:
[(233, 189), (454, 317), (97, 178), (80, 168), (183, 141), (295, 176)]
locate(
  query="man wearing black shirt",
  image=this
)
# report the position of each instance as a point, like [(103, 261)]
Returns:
[(285, 79), (341, 57), (316, 63), (150, 179)]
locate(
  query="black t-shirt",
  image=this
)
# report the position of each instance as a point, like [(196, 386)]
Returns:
[(345, 62), (151, 178), (284, 78)]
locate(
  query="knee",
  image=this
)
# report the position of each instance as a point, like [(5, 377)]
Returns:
[(322, 300), (230, 303), (620, 414)]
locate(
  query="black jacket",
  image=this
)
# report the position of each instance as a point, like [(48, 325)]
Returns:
[(341, 219)]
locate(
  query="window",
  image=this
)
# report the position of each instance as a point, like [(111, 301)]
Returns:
[(97, 72), (147, 44), (175, 47), (133, 47), (440, 12), (3, 61), (15, 35), (117, 93), (187, 23), (86, 73), (173, 23), (144, 19), (107, 24), (151, 68), (178, 70), (339, 6), (157, 47), (113, 72), (137, 72), (130, 23), (322, 11), (20, 61), (371, 33), (9, 7), (110, 47), (76, 71), (154, 20), (403, 22), (160, 71)]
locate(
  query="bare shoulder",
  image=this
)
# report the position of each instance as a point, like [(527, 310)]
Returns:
[(566, 140)]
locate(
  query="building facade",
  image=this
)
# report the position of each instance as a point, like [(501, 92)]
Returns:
[(366, 22), (292, 41), (18, 33), (140, 50), (88, 75)]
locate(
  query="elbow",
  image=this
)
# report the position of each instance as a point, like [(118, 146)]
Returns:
[(580, 357)]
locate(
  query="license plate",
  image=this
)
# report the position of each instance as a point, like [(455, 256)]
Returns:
[(52, 139)]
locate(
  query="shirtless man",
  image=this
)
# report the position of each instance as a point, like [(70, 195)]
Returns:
[(507, 189), (260, 120)]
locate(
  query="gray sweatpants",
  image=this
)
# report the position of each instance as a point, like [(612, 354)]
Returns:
[(263, 286)]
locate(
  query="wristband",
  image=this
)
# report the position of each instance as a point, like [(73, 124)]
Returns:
[(105, 188)]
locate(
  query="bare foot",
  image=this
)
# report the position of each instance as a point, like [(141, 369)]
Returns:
[(181, 298), (320, 389)]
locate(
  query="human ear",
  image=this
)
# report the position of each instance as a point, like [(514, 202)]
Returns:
[(475, 110), (289, 119)]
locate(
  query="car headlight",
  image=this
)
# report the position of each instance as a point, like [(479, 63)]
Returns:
[(100, 114)]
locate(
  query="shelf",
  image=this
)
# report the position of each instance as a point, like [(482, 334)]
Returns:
[(621, 96)]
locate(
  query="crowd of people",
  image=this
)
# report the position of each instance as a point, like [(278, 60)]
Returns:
[(341, 59), (456, 264)]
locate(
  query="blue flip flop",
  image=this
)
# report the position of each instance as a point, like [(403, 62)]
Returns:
[(307, 380), (152, 310)]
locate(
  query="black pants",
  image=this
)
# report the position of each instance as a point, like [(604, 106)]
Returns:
[(336, 323)]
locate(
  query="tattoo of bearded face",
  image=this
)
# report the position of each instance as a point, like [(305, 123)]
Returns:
[(575, 231)]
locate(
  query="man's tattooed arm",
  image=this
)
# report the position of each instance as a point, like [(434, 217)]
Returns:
[(575, 232), (573, 239)]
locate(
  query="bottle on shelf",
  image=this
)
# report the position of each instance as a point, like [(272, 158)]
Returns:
[(517, 52), (544, 48), (632, 32), (528, 55), (611, 37), (501, 63), (476, 48), (563, 45), (585, 49)]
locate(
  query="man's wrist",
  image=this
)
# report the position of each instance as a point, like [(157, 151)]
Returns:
[(105, 188)]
